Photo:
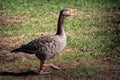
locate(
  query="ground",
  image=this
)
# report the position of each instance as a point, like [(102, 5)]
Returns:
[(19, 68), (93, 38)]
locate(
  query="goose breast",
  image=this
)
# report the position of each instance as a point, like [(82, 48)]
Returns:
[(49, 46)]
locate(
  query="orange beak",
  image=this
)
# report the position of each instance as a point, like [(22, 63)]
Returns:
[(73, 12)]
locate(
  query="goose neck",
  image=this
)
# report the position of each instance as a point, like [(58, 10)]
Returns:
[(60, 30)]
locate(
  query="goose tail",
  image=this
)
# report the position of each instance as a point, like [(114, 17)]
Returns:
[(15, 50)]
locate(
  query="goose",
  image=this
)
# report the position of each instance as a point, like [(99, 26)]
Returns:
[(48, 46)]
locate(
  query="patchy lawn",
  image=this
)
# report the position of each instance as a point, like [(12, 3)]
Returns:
[(93, 35)]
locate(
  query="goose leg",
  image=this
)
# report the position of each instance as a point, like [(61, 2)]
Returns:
[(52, 66), (42, 68)]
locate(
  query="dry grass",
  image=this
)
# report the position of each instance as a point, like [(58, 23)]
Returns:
[(92, 51)]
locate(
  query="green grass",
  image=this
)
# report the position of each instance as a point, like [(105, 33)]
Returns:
[(91, 34)]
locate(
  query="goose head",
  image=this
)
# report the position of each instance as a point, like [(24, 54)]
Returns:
[(67, 12)]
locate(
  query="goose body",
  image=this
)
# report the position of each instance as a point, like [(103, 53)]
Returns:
[(45, 47), (49, 46)]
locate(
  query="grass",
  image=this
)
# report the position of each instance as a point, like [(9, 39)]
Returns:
[(92, 34)]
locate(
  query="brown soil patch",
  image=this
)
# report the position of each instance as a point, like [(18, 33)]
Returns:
[(6, 45), (12, 20)]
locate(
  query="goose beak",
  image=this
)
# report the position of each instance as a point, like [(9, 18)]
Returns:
[(73, 12)]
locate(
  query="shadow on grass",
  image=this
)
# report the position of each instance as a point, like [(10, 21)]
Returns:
[(80, 72), (110, 31), (27, 73), (113, 29)]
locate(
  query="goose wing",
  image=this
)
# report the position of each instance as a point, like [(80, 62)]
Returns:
[(46, 45)]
